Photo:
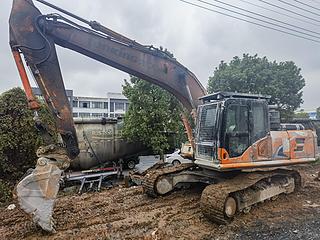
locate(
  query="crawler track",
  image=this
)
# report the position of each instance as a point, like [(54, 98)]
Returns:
[(152, 176), (214, 196)]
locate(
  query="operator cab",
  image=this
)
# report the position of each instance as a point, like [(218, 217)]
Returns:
[(228, 123)]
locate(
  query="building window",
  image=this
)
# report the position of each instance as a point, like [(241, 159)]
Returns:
[(105, 114), (84, 104), (111, 106), (105, 105), (97, 104), (127, 106), (97, 115), (69, 100), (75, 103), (75, 114), (119, 106), (111, 115), (84, 115)]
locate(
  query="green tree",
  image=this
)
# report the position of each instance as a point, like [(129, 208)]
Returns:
[(153, 113), (282, 81), (19, 139), (301, 114)]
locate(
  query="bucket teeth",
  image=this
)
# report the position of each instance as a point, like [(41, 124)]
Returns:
[(36, 193)]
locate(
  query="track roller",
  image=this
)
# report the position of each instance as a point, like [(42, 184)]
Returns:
[(222, 201)]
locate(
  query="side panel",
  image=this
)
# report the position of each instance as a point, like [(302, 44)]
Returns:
[(302, 144), (280, 145), (279, 148), (262, 149)]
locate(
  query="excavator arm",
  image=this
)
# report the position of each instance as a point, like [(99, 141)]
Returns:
[(34, 36)]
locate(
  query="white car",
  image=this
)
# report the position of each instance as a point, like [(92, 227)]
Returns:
[(175, 158)]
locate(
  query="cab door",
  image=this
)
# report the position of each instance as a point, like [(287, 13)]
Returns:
[(260, 137), (259, 120), (236, 135)]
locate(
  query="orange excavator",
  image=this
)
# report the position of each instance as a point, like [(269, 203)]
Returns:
[(240, 154)]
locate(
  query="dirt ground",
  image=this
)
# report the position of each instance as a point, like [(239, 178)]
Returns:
[(127, 213)]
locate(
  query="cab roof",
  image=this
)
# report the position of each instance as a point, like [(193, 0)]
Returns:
[(224, 95)]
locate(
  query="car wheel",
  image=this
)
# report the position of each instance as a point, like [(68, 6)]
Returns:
[(176, 162), (131, 164)]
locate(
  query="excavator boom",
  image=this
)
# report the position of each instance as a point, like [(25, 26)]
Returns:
[(34, 36)]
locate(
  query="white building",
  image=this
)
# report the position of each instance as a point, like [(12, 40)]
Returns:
[(113, 105)]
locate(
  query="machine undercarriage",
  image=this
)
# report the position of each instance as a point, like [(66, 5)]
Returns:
[(226, 193)]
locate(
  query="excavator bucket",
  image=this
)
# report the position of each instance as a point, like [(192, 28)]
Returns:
[(36, 193)]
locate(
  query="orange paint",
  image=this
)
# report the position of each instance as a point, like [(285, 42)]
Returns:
[(188, 130), (223, 155), (279, 148), (33, 104)]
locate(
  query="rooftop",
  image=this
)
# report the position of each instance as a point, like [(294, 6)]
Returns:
[(223, 95)]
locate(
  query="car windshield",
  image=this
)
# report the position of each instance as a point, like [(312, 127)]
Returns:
[(207, 122), (177, 151)]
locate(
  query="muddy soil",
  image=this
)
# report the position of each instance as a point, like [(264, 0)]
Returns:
[(127, 213)]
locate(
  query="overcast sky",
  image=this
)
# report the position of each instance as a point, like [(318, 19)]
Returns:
[(198, 38)]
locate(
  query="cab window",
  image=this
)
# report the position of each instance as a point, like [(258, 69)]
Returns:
[(237, 130), (260, 121), (207, 123)]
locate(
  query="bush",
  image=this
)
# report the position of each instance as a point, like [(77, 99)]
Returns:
[(19, 139), (5, 192)]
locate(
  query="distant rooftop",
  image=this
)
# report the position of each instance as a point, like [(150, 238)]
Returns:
[(115, 95), (70, 93)]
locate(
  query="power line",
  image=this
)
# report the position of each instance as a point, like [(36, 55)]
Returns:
[(316, 1), (276, 6), (248, 21), (281, 13), (292, 5), (308, 5), (258, 19), (257, 14)]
